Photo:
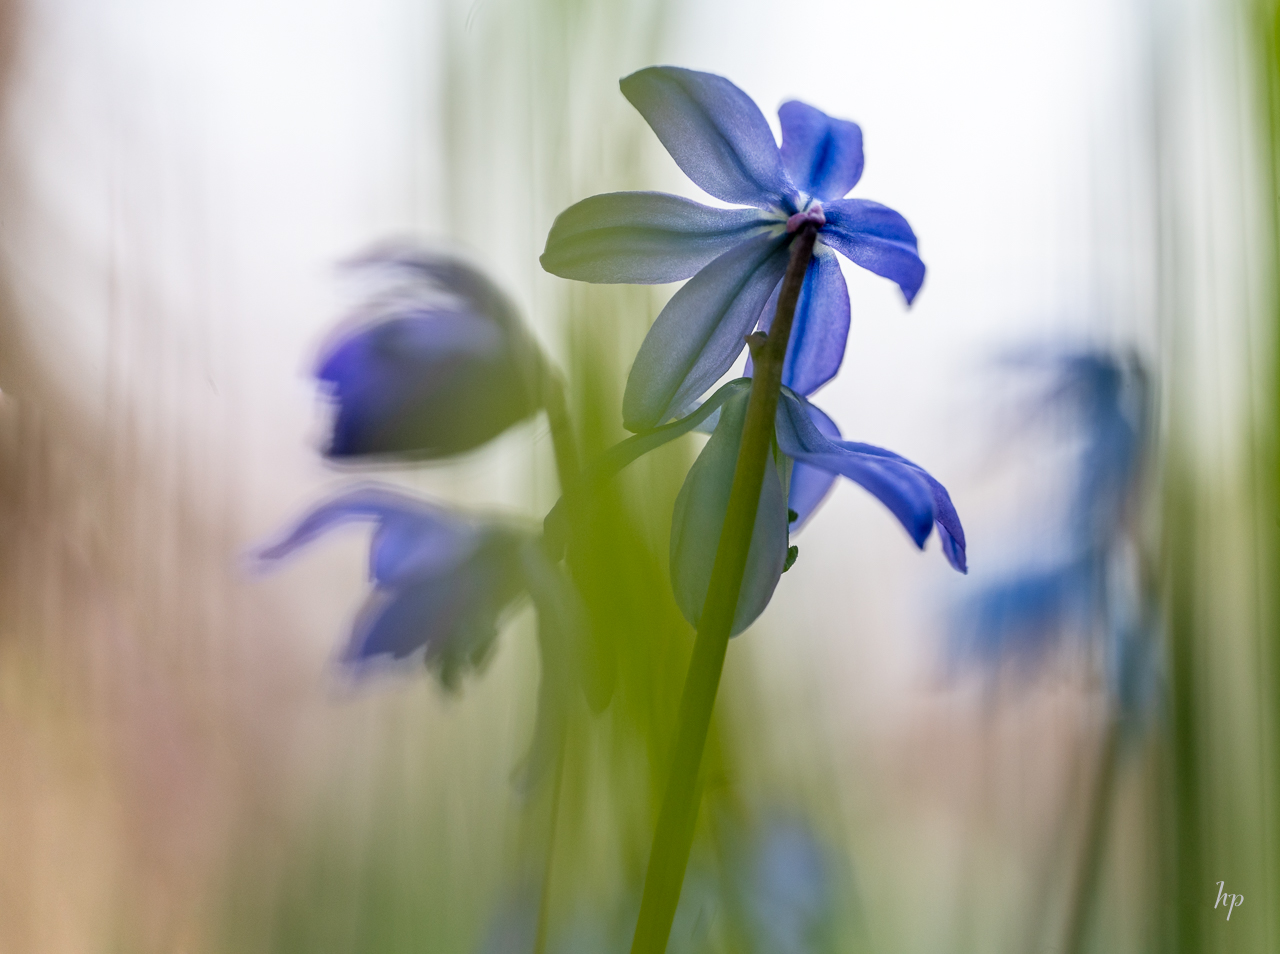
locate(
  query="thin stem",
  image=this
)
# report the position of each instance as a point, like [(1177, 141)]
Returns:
[(563, 442), (565, 447), (1095, 836), (673, 837), (544, 898)]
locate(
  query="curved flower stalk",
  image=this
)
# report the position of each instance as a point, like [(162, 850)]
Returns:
[(734, 258), (437, 363), (442, 583)]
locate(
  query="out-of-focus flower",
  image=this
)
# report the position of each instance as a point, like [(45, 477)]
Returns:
[(736, 257), (437, 364), (442, 583), (786, 892), (1092, 589), (918, 501)]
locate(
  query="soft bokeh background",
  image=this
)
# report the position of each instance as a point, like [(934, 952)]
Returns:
[(182, 771)]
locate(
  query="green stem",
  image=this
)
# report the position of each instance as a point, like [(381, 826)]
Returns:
[(673, 838), (544, 898), (565, 447)]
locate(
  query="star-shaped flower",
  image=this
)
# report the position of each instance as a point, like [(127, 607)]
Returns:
[(736, 257)]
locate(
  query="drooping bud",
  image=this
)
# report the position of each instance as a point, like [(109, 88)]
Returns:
[(439, 365)]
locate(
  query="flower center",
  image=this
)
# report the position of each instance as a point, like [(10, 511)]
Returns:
[(812, 214)]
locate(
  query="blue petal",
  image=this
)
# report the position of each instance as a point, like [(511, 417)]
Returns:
[(642, 238), (699, 518), (820, 328), (700, 333), (424, 385), (822, 155), (452, 616), (414, 537), (714, 132), (950, 531), (900, 486), (421, 271), (877, 238), (810, 485)]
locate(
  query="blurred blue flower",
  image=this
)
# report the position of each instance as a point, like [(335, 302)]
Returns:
[(437, 364), (786, 891), (736, 257), (441, 585), (1093, 588), (808, 443)]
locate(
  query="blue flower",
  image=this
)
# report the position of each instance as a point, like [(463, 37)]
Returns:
[(442, 583), (735, 258), (438, 364), (808, 445), (787, 889), (1091, 590)]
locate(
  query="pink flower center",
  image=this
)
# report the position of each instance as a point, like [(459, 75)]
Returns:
[(812, 214)]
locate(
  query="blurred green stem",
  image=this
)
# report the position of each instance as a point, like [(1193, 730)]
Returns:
[(544, 894), (673, 838), (565, 447), (1097, 824)]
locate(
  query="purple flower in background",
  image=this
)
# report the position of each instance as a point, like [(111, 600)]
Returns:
[(736, 257), (809, 457), (438, 364), (1093, 588), (441, 582)]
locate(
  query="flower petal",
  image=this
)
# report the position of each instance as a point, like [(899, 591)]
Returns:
[(699, 518), (451, 616), (898, 485), (822, 155), (810, 485), (642, 238), (950, 531), (700, 333), (714, 132), (424, 385), (877, 238), (414, 537), (820, 328)]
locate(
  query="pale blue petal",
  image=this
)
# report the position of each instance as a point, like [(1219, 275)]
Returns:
[(451, 616), (714, 132), (877, 238), (822, 155), (810, 485), (700, 333), (643, 238), (414, 537), (699, 518)]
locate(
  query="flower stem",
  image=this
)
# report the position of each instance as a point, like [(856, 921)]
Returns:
[(1089, 864), (673, 838), (544, 891), (565, 446)]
